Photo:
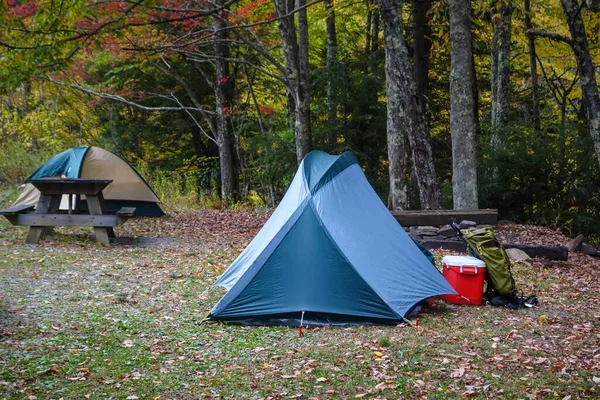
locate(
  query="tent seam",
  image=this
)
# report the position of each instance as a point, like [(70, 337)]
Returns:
[(298, 212), (348, 261), (85, 153)]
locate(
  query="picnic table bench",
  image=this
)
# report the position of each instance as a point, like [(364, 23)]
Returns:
[(47, 214)]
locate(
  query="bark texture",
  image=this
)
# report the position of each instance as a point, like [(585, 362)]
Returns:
[(405, 116), (422, 47), (303, 132), (535, 106), (500, 77), (375, 33), (224, 101), (462, 111), (589, 87), (332, 76), (296, 65)]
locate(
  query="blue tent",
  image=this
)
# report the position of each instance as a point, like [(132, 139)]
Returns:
[(332, 251), (127, 189)]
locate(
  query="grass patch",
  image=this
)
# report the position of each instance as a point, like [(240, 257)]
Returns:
[(78, 319)]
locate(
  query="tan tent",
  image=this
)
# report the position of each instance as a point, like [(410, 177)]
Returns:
[(128, 188)]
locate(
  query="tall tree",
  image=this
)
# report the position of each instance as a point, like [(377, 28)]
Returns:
[(535, 106), (405, 115), (589, 86), (295, 54), (303, 130), (332, 75), (421, 45), (585, 65), (501, 15), (462, 111), (375, 28), (223, 106)]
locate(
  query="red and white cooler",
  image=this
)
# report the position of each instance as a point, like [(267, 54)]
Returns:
[(466, 275)]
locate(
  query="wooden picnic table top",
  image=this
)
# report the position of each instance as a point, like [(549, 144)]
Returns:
[(60, 186)]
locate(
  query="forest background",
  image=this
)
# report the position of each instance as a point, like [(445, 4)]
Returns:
[(446, 104)]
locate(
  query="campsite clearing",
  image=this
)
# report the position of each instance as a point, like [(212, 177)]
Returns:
[(77, 319)]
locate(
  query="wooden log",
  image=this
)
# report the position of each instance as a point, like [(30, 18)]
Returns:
[(443, 217), (575, 244), (589, 250), (453, 245), (550, 253)]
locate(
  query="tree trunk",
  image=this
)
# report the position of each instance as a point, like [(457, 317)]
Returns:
[(398, 197), (589, 87), (224, 101), (462, 116), (303, 133), (422, 47), (535, 107), (375, 33), (368, 28), (296, 81), (287, 30), (405, 116), (500, 79), (332, 76), (475, 90)]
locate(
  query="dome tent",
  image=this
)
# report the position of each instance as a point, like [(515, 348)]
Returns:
[(127, 189), (331, 252)]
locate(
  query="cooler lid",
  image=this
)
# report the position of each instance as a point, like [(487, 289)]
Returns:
[(461, 261)]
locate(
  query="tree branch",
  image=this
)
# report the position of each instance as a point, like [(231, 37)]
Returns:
[(123, 99), (270, 20), (552, 36)]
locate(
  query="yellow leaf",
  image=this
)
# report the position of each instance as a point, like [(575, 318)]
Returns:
[(379, 354)]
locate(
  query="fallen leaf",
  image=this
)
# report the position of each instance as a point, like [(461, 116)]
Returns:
[(458, 373)]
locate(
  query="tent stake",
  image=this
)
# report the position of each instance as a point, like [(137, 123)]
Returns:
[(300, 328)]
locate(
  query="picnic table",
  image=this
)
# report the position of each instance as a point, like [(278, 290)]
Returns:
[(48, 214)]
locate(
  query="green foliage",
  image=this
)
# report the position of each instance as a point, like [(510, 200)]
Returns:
[(40, 115), (548, 177), (41, 37), (18, 162), (541, 179), (270, 162)]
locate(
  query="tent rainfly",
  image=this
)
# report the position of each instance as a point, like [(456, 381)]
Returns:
[(128, 188), (331, 253)]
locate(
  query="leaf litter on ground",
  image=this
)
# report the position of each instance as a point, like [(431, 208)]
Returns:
[(125, 322)]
